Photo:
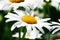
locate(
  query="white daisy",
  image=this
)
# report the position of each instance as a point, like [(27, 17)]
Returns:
[(29, 4), (30, 21), (5, 4), (55, 3), (31, 35), (26, 4)]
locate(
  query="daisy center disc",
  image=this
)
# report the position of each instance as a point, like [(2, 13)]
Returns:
[(29, 19), (16, 1)]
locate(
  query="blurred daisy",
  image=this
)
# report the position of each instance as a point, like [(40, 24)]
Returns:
[(12, 1), (55, 3), (29, 4), (30, 21), (4, 4), (31, 35)]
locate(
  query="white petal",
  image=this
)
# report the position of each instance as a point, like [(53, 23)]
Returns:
[(59, 20), (15, 35), (8, 20), (45, 23), (2, 5), (15, 25), (53, 27), (40, 28), (23, 24), (32, 35), (19, 12), (46, 19), (55, 30), (7, 1), (32, 14), (39, 36), (55, 3), (28, 27), (6, 7), (55, 23), (11, 15)]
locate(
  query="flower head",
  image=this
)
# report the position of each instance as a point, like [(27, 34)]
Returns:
[(28, 20), (6, 4)]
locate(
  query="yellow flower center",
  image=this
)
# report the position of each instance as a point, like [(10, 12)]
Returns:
[(16, 1), (29, 19)]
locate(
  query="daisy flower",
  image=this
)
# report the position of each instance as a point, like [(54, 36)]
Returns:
[(28, 20), (26, 4), (31, 35), (5, 4), (55, 3), (29, 4)]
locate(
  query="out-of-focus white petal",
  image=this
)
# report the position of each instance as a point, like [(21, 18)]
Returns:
[(47, 0), (8, 20), (15, 25), (39, 26), (35, 3), (7, 1), (39, 36), (59, 20), (29, 29), (19, 12), (53, 27), (11, 15), (46, 19), (55, 30), (15, 35), (6, 6), (2, 5), (55, 3), (31, 35), (32, 3), (55, 23), (22, 24)]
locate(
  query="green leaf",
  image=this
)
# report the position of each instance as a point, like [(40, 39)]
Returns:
[(21, 8)]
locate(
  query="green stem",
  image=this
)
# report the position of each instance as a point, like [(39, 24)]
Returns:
[(20, 30), (48, 36), (24, 34), (19, 33)]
